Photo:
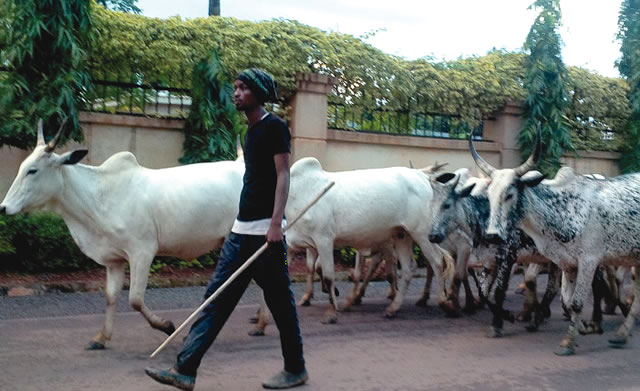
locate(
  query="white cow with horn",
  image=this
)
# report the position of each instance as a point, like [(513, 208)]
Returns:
[(576, 222), (365, 209), (121, 212)]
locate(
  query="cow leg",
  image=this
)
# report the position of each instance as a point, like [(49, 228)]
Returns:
[(139, 274), (585, 274), (470, 302), (543, 310), (612, 295), (600, 289), (312, 257), (325, 263), (442, 264), (404, 251), (262, 319), (115, 281), (359, 294), (474, 275), (530, 292), (388, 256), (452, 305), (426, 291), (391, 268), (504, 264), (624, 331), (357, 271)]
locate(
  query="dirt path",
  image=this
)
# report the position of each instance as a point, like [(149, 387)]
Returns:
[(420, 350)]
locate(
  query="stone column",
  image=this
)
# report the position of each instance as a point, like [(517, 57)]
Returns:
[(504, 129), (308, 121)]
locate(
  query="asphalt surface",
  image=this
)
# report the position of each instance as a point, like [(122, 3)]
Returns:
[(42, 340)]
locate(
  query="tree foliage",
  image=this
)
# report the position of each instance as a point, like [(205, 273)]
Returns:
[(545, 83), (158, 51), (629, 66), (44, 50), (212, 125), (121, 5)]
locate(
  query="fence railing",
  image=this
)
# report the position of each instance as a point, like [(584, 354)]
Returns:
[(138, 99), (400, 122)]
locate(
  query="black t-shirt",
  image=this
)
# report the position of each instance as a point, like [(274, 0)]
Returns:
[(268, 137)]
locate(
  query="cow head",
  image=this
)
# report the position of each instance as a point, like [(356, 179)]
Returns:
[(39, 177), (505, 192), (446, 195)]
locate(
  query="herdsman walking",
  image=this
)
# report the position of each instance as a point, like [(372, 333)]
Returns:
[(264, 195)]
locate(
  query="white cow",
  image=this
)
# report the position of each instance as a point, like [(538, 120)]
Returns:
[(121, 212), (365, 209)]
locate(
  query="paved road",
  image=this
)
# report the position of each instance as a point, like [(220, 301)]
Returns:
[(42, 339)]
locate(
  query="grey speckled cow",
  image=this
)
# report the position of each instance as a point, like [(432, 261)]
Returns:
[(577, 222)]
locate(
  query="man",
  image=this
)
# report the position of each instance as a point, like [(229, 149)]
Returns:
[(262, 202)]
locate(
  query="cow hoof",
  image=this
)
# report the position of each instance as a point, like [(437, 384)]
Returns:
[(617, 341), (469, 309), (168, 329), (256, 333), (330, 320), (524, 316), (422, 303), (93, 345), (450, 310), (357, 300), (494, 332), (453, 314), (389, 314), (565, 351), (304, 303), (609, 309), (590, 328), (532, 328)]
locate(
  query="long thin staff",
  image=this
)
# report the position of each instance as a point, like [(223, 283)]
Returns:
[(244, 266)]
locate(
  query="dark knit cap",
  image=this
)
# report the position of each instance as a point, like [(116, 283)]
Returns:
[(260, 83)]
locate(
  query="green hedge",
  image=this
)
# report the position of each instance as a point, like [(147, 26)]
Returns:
[(41, 242), (165, 51)]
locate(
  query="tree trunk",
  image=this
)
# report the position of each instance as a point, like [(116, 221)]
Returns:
[(214, 7)]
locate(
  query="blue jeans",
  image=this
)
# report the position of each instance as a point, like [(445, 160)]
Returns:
[(271, 273)]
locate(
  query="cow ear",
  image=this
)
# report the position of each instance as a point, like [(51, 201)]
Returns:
[(532, 178), (446, 177), (465, 191), (73, 157)]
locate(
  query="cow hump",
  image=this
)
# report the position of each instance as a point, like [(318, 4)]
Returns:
[(305, 165), (120, 161)]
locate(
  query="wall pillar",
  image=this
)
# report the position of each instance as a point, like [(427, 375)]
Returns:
[(504, 129), (308, 121)]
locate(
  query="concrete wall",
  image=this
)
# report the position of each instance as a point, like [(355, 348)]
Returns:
[(339, 150), (157, 143)]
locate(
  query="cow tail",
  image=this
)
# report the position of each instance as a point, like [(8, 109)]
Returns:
[(449, 264)]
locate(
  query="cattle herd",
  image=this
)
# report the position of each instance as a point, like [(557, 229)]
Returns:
[(585, 230)]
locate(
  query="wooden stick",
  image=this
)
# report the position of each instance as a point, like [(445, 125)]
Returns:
[(242, 268)]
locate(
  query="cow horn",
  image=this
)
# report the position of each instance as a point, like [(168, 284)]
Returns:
[(54, 142), (533, 159), (40, 133), (484, 166), (437, 167), (456, 179)]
